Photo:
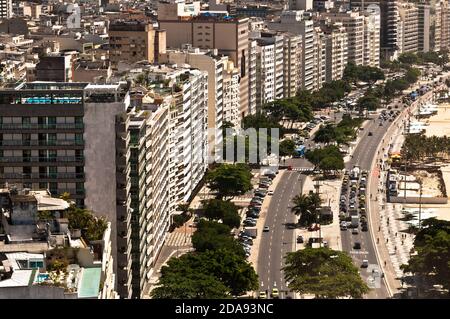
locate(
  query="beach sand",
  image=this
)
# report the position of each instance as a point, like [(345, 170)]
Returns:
[(439, 123)]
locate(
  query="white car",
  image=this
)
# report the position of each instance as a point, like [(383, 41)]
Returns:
[(270, 193), (266, 228)]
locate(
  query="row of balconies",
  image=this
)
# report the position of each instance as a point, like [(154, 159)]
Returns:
[(15, 159), (41, 142), (36, 126), (42, 175)]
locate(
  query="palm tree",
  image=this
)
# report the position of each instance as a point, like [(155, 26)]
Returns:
[(306, 206)]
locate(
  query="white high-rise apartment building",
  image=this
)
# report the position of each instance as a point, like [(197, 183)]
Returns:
[(319, 64), (265, 76), (300, 22), (292, 64), (353, 23), (6, 9), (231, 94), (214, 64), (187, 133), (409, 19), (336, 50), (371, 38), (252, 45)]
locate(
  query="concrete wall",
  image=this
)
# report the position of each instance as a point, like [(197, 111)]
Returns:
[(100, 167), (35, 292), (416, 200)]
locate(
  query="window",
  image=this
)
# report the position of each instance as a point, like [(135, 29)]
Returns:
[(52, 138), (26, 121), (51, 121), (52, 172), (52, 155)]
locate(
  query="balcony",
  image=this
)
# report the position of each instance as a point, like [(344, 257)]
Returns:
[(42, 176), (35, 126), (41, 142), (34, 159)]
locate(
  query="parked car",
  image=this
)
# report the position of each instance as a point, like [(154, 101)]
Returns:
[(300, 239), (365, 263), (270, 193)]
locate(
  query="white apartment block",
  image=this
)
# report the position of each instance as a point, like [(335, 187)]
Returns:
[(353, 23), (300, 23), (336, 51), (252, 45), (372, 38), (292, 64), (6, 9), (214, 64), (188, 145), (231, 94), (319, 64), (149, 130), (265, 75), (409, 19)]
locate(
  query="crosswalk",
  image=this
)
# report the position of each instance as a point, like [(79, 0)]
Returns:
[(302, 169), (177, 239)]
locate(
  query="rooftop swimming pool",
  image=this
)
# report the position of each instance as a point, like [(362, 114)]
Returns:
[(41, 277)]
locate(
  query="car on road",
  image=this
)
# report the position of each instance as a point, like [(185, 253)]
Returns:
[(355, 231), (275, 293), (370, 134), (357, 245), (270, 193), (365, 263), (262, 295), (381, 124), (300, 239), (266, 228)]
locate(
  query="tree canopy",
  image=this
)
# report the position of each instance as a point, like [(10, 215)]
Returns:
[(354, 73), (306, 206), (211, 235), (208, 275), (432, 260), (324, 273), (223, 210), (229, 179), (328, 158), (287, 148)]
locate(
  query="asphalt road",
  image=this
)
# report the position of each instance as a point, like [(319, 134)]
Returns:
[(363, 156), (279, 239)]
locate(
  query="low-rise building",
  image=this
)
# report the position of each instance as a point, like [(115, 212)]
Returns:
[(43, 256)]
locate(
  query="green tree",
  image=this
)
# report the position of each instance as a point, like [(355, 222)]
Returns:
[(189, 275), (211, 235), (324, 273), (184, 278), (331, 164), (368, 102), (432, 261), (287, 148), (229, 180), (307, 207), (224, 210), (325, 134)]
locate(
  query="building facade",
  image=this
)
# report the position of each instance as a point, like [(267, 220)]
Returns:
[(133, 41)]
